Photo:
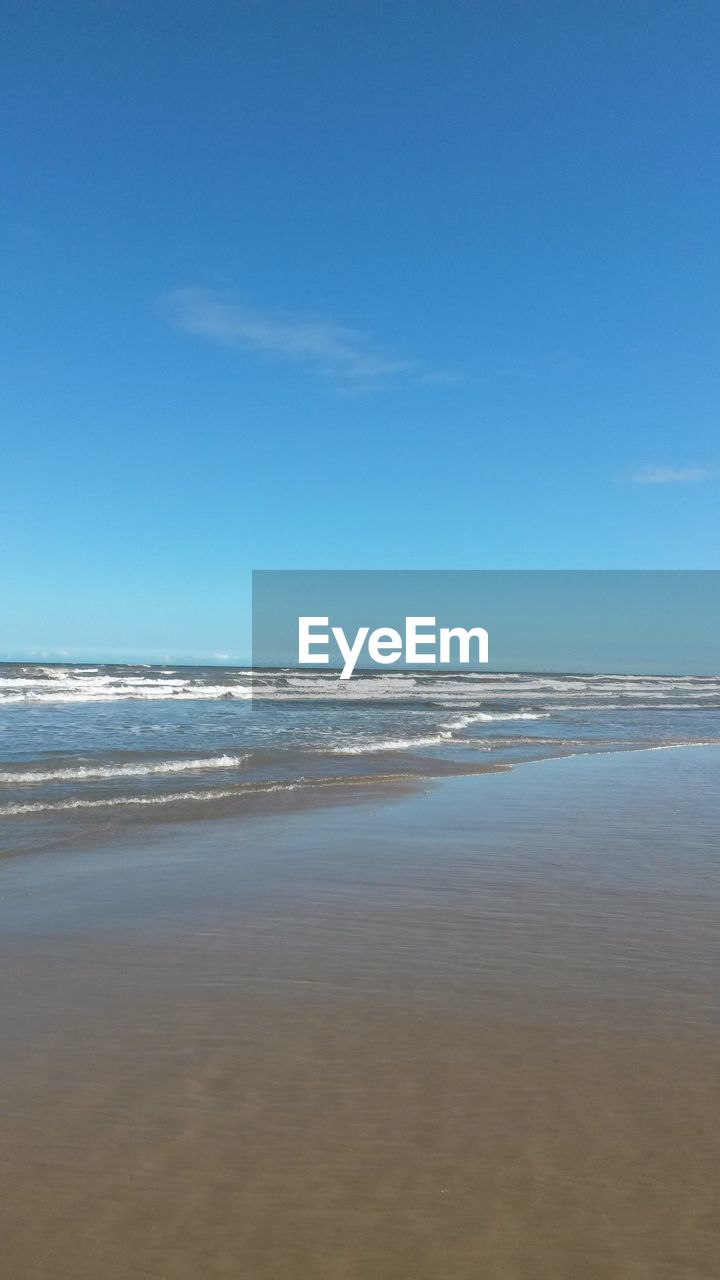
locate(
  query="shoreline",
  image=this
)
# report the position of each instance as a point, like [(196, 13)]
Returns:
[(107, 819)]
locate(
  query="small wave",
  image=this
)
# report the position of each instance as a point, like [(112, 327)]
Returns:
[(179, 797), (628, 748), (149, 691), (655, 706), (481, 717), (85, 773), (99, 684), (390, 744), (60, 806)]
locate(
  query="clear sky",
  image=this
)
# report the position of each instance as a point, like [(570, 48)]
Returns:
[(292, 283)]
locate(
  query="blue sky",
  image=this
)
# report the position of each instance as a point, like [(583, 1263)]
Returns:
[(348, 285)]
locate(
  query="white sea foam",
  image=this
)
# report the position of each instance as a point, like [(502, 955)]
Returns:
[(177, 797), (480, 717), (109, 684), (445, 733), (96, 772), (61, 806), (104, 690), (390, 744)]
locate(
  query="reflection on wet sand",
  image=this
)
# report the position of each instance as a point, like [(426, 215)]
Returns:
[(466, 1034)]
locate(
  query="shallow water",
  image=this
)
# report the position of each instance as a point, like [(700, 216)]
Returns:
[(103, 744)]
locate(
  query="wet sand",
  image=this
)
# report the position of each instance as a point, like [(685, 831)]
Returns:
[(471, 1033)]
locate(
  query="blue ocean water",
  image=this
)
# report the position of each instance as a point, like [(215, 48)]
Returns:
[(98, 740)]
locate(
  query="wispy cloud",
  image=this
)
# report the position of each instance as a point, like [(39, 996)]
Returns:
[(336, 350), (442, 378), (671, 475)]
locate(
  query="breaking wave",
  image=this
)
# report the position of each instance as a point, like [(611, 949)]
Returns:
[(97, 772)]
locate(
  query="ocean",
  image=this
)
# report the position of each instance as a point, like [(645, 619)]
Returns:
[(98, 744)]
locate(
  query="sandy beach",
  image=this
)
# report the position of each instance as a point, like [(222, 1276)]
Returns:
[(360, 641), (469, 1032)]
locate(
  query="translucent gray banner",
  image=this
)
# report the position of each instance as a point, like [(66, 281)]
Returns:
[(590, 621)]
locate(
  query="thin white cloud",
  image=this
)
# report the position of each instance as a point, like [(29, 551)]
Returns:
[(337, 350), (671, 475), (442, 378)]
